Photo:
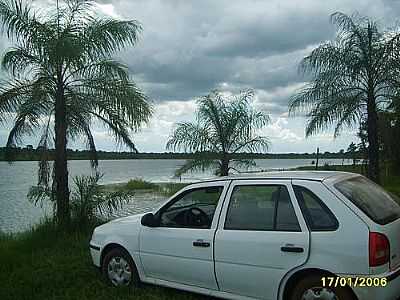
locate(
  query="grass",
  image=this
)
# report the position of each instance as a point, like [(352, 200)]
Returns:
[(139, 184), (142, 186), (46, 264)]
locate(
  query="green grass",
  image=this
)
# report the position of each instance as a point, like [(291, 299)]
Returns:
[(139, 184), (46, 264)]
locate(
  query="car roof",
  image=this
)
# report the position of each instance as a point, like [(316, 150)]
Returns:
[(282, 175)]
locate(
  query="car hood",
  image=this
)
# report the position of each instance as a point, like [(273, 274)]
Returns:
[(129, 219), (119, 223)]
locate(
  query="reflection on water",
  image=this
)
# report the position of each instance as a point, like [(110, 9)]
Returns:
[(17, 214)]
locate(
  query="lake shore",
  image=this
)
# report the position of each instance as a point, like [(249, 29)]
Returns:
[(17, 214), (389, 182)]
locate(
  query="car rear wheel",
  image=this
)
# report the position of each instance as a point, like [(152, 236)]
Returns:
[(119, 269), (311, 288)]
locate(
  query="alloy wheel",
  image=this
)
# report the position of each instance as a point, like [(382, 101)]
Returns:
[(119, 271)]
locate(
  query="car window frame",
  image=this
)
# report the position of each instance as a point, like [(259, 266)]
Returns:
[(286, 184), (190, 188), (324, 207)]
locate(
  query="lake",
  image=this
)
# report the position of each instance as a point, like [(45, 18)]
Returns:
[(18, 214)]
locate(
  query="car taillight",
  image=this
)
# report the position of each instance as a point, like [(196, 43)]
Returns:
[(379, 249)]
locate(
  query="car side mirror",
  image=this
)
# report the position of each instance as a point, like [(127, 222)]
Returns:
[(149, 220)]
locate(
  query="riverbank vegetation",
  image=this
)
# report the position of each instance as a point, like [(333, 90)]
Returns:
[(29, 154), (139, 185)]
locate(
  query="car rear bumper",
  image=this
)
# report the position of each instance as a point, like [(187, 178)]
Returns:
[(389, 292), (95, 252)]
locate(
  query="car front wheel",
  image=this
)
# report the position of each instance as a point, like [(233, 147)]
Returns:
[(119, 269), (310, 288)]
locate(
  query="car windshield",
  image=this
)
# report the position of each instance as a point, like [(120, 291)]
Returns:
[(373, 200)]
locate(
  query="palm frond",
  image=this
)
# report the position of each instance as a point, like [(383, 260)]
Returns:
[(253, 144), (39, 194), (190, 137), (106, 36), (44, 165), (89, 200), (18, 59), (14, 93), (105, 68), (197, 164), (118, 130), (239, 165), (79, 125), (118, 95)]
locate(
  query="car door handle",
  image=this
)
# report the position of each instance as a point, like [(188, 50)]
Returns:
[(292, 249), (200, 243)]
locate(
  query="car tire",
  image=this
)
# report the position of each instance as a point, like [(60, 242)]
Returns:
[(119, 269), (310, 288)]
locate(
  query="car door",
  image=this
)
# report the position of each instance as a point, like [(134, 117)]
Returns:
[(261, 236), (181, 250)]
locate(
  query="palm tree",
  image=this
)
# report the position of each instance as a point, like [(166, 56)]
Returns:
[(353, 77), (224, 127), (63, 78)]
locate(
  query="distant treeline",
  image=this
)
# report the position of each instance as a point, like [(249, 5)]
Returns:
[(28, 153)]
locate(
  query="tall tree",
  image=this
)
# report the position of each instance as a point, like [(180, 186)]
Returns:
[(224, 126), (353, 77), (63, 78)]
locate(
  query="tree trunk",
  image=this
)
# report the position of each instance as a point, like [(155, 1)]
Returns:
[(60, 162), (224, 165), (373, 147)]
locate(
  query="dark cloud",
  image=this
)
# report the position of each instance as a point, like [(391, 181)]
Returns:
[(190, 47)]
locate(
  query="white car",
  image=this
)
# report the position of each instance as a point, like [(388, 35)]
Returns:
[(280, 235)]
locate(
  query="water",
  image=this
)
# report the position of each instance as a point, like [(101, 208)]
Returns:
[(18, 214)]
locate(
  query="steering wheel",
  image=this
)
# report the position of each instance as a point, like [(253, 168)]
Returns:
[(194, 216)]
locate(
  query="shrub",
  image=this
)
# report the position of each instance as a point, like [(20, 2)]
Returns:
[(88, 199), (140, 184)]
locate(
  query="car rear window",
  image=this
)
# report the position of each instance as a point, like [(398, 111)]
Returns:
[(374, 201)]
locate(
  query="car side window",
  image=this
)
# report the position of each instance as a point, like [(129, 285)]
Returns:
[(316, 213), (193, 208), (261, 208)]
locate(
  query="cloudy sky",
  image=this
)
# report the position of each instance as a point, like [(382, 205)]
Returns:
[(188, 48)]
